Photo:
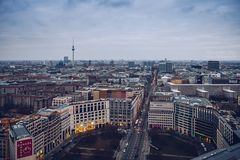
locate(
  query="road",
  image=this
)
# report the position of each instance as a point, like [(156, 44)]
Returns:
[(137, 142)]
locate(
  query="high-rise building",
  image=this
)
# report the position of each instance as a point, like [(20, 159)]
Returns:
[(162, 67), (169, 67), (165, 67), (131, 64), (65, 60), (213, 65)]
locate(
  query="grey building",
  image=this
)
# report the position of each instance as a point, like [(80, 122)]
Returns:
[(213, 65), (165, 67)]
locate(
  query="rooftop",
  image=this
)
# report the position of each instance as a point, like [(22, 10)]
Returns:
[(45, 112), (193, 101), (222, 154), (20, 131)]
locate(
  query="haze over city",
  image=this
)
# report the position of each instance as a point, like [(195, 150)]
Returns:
[(120, 29)]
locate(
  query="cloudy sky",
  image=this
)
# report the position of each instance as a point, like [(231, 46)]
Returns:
[(120, 29)]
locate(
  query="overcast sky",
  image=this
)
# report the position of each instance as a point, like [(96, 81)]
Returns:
[(120, 29)]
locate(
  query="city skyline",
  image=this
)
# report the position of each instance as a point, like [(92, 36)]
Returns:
[(120, 29)]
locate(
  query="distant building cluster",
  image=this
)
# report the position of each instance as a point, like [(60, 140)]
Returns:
[(44, 103), (43, 110)]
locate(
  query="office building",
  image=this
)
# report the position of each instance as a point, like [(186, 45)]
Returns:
[(124, 111), (196, 117), (165, 67), (213, 65), (64, 112), (88, 115), (21, 143), (161, 115), (65, 60), (45, 129), (212, 89)]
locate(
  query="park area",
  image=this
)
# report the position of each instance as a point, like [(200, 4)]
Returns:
[(100, 146), (171, 147)]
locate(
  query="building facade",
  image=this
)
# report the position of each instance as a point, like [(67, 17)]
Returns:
[(161, 115), (61, 100), (88, 115), (21, 143)]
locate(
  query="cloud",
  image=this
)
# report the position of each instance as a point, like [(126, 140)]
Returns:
[(119, 29), (105, 3)]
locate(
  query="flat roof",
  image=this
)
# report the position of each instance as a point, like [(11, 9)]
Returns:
[(193, 100), (20, 131), (231, 152), (206, 84), (45, 112)]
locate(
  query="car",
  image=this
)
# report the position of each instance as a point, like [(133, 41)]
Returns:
[(124, 150)]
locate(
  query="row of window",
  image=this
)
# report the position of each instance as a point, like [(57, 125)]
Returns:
[(81, 109)]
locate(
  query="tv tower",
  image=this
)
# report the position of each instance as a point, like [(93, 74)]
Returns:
[(73, 49)]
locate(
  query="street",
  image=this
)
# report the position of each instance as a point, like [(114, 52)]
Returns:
[(138, 147)]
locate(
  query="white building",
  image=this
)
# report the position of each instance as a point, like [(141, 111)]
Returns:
[(21, 143), (45, 129), (88, 115), (64, 111), (161, 115), (61, 100)]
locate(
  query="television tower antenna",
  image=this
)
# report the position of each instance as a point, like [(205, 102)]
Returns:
[(73, 49)]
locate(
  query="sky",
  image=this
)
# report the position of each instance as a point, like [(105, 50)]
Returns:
[(120, 29)]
